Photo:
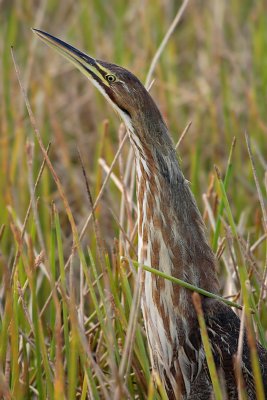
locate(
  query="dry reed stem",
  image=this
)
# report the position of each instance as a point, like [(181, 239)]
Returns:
[(264, 214), (207, 346), (181, 138), (48, 162), (165, 41), (238, 358), (132, 325), (29, 208), (100, 251)]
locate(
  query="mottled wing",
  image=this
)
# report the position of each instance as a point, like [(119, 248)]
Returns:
[(223, 328)]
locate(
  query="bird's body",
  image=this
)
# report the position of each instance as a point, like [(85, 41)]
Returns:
[(171, 239)]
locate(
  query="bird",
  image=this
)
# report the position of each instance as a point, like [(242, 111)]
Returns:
[(172, 239)]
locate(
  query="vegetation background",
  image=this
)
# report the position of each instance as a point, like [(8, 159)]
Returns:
[(70, 323)]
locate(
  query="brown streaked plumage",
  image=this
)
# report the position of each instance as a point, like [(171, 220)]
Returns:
[(172, 239)]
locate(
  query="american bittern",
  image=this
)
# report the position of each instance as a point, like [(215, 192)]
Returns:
[(172, 239)]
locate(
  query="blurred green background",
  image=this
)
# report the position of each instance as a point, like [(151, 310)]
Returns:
[(212, 72)]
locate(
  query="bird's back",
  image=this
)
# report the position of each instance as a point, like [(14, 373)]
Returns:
[(223, 327)]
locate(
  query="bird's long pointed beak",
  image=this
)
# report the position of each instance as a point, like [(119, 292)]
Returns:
[(86, 64)]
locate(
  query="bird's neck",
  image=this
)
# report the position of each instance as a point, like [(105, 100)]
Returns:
[(171, 230)]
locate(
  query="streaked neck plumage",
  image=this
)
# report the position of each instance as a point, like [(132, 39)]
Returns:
[(166, 205), (171, 239)]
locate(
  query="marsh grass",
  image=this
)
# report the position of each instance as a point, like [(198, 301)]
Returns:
[(71, 325)]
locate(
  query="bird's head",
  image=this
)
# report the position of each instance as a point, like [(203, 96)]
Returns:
[(120, 87), (147, 129)]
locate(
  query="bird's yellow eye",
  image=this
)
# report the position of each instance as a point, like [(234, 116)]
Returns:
[(110, 78)]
